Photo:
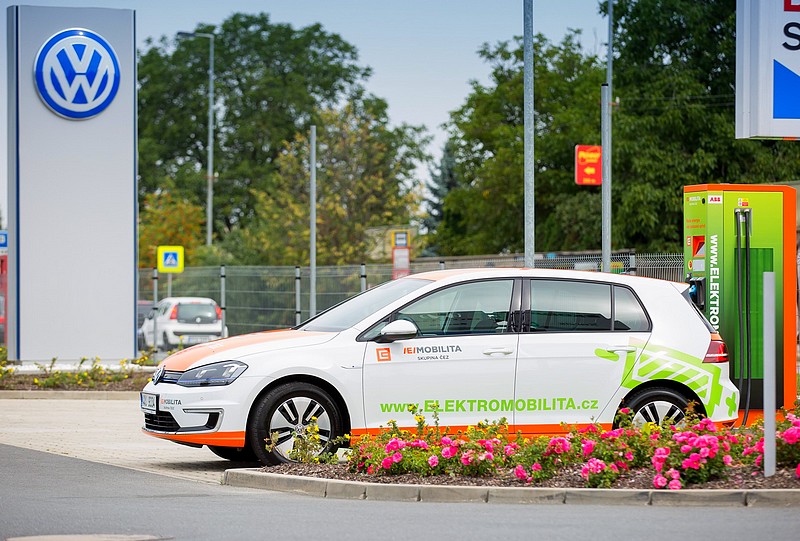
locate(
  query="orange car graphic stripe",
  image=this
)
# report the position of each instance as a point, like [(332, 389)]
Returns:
[(182, 360), (222, 439)]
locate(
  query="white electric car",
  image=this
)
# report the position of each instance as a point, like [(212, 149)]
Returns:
[(538, 347)]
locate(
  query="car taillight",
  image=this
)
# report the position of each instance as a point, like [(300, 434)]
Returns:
[(174, 313), (717, 350), (219, 312)]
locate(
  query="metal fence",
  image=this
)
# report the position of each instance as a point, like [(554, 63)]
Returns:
[(263, 298)]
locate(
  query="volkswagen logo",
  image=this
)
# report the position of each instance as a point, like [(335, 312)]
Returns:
[(158, 374), (77, 74)]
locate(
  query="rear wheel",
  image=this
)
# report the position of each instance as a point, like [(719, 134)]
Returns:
[(658, 405), (286, 412), (234, 454)]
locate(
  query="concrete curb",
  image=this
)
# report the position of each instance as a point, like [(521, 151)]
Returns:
[(69, 395), (355, 490)]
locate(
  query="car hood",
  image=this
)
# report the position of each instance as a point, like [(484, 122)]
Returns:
[(241, 346)]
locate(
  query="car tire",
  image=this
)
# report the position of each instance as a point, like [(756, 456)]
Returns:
[(165, 345), (657, 405), (234, 454), (288, 409)]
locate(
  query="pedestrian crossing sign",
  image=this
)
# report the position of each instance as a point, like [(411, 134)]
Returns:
[(170, 259)]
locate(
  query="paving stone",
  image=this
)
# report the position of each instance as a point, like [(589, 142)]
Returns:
[(348, 490), (397, 493), (604, 496), (773, 498), (447, 493), (699, 497), (526, 495)]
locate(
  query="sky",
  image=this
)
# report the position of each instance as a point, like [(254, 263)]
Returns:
[(423, 53)]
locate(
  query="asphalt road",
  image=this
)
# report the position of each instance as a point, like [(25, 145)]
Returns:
[(137, 485)]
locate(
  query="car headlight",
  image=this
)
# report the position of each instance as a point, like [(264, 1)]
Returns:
[(222, 373)]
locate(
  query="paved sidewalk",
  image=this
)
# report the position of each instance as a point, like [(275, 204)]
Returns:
[(105, 431)]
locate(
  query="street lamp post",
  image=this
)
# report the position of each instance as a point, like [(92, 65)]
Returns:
[(210, 175)]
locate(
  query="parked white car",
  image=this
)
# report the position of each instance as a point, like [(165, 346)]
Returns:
[(537, 347), (181, 322)]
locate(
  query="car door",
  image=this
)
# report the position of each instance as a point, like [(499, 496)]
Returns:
[(578, 338), (462, 358)]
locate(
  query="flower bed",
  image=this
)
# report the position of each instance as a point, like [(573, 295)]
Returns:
[(695, 453)]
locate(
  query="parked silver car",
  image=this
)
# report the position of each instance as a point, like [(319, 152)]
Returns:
[(182, 321)]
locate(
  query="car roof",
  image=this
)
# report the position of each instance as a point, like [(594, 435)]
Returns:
[(187, 300), (456, 275)]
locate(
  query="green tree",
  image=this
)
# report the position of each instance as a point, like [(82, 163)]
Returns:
[(270, 78), (365, 178), (169, 220), (443, 180), (674, 76), (484, 213), (672, 126)]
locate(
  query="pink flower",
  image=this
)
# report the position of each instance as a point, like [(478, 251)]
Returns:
[(421, 444), (625, 411), (558, 446), (449, 452), (659, 481), (386, 463), (394, 445), (370, 469), (791, 435), (510, 449), (467, 457), (727, 460), (488, 456), (397, 457), (587, 446), (673, 474), (628, 456), (520, 472), (433, 461), (536, 467), (797, 472), (686, 448), (675, 484), (446, 441)]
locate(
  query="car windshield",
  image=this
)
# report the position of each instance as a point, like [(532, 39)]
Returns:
[(349, 312), (197, 313)]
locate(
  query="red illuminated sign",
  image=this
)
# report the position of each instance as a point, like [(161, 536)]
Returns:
[(588, 165)]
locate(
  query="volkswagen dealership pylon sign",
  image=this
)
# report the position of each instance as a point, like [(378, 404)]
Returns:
[(767, 69), (77, 73), (72, 191)]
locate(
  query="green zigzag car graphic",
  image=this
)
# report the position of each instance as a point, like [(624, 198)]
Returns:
[(659, 362)]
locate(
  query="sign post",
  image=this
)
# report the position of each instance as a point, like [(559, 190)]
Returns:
[(588, 165)]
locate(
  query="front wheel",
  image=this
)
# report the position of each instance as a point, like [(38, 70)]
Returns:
[(285, 413), (658, 405)]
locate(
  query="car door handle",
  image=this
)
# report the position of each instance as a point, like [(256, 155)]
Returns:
[(496, 351), (613, 349)]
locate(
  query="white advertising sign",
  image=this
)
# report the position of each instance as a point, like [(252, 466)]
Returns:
[(767, 69), (72, 183)]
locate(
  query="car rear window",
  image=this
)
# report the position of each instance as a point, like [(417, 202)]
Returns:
[(197, 313)]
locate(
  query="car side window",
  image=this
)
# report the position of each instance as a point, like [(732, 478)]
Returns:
[(471, 308), (628, 312), (569, 306)]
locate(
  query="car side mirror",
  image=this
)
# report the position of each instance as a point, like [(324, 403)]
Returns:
[(401, 329)]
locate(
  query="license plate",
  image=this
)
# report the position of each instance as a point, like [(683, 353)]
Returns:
[(196, 339), (148, 402)]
